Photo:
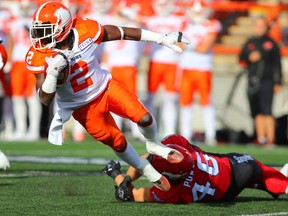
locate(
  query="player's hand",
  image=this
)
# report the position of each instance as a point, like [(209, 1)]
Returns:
[(123, 192), (171, 39), (56, 64), (112, 169)]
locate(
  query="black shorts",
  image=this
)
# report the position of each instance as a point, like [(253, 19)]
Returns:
[(261, 101), (245, 172)]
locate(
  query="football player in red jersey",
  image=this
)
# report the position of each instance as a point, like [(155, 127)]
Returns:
[(201, 176), (90, 93)]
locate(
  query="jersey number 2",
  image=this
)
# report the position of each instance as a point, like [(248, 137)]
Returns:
[(79, 82)]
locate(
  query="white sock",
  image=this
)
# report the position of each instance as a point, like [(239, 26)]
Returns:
[(118, 120), (131, 157), (20, 113), (186, 121), (34, 108), (209, 120), (153, 144), (169, 113)]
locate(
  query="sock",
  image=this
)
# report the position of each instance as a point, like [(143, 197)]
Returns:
[(209, 120), (131, 157), (186, 121), (20, 113), (169, 113), (34, 108), (153, 144)]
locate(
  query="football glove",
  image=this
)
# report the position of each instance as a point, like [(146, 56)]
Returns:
[(112, 169), (122, 192), (56, 64), (171, 39)]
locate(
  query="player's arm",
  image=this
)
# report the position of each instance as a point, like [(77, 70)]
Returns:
[(125, 191), (46, 86), (207, 43), (45, 98), (112, 32)]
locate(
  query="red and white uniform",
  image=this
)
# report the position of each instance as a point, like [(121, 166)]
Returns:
[(87, 80), (208, 179)]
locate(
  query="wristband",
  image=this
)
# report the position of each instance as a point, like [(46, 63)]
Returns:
[(150, 36), (49, 84)]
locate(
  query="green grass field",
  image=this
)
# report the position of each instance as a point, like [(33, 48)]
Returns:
[(79, 188)]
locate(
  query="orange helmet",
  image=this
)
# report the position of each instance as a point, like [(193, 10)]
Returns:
[(52, 22), (199, 11)]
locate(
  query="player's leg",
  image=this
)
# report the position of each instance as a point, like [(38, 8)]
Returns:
[(284, 170), (34, 107), (273, 181), (125, 104), (169, 114), (155, 78), (19, 106), (107, 132), (205, 83), (186, 99)]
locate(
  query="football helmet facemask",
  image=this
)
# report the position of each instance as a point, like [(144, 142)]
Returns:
[(52, 22)]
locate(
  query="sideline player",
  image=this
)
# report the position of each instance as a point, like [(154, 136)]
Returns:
[(90, 93), (201, 176), (196, 66), (163, 66)]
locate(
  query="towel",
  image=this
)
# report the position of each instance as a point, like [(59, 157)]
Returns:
[(55, 135)]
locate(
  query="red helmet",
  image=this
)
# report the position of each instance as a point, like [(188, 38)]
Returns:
[(175, 139), (52, 22), (174, 171)]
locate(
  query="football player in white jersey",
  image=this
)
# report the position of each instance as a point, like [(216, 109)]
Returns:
[(90, 93), (163, 66), (196, 67), (22, 81)]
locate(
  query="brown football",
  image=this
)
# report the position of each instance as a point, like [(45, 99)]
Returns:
[(64, 73)]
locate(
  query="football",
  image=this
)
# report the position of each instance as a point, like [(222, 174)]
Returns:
[(64, 72)]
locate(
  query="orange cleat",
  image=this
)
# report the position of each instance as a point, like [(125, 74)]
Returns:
[(163, 184), (175, 157)]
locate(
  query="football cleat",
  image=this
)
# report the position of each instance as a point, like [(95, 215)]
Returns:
[(175, 157), (4, 162), (162, 184)]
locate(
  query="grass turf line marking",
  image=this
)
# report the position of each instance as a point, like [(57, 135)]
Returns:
[(267, 214)]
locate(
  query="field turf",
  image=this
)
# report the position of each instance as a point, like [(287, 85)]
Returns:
[(79, 188)]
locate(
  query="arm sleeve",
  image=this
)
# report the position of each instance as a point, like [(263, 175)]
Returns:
[(243, 57)]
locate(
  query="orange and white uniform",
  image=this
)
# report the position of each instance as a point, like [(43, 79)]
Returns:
[(90, 93), (22, 82), (196, 66), (163, 61)]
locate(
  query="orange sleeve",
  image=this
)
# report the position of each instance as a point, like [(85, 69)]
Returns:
[(35, 60), (89, 28)]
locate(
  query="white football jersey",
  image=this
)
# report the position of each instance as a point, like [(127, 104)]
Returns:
[(191, 59), (87, 80), (159, 53)]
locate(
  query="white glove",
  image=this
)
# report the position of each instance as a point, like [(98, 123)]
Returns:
[(55, 64), (171, 39)]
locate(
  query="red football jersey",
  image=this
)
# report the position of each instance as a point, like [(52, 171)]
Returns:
[(208, 179)]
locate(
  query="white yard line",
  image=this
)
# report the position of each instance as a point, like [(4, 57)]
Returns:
[(267, 214)]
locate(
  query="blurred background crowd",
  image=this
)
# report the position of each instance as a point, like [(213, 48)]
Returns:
[(203, 93)]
